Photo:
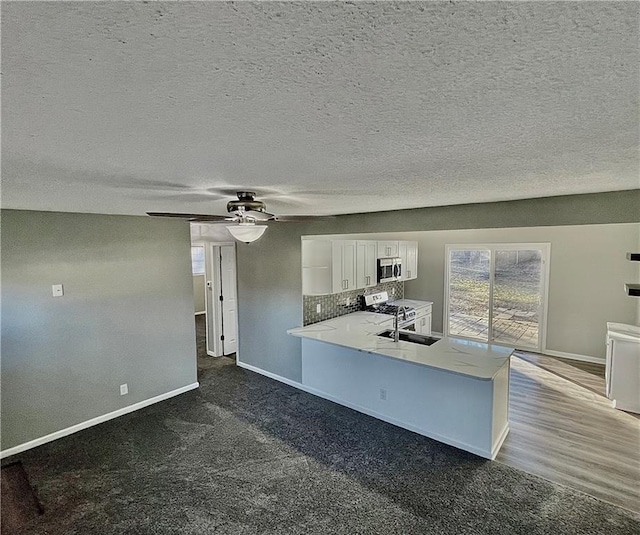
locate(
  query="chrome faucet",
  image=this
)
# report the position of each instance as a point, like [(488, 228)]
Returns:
[(396, 330)]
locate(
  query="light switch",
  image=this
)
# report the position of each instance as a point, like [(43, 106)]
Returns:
[(57, 290)]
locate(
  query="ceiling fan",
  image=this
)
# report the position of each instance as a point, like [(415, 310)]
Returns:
[(246, 211)]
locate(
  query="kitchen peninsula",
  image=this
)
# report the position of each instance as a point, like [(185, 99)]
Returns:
[(454, 391)]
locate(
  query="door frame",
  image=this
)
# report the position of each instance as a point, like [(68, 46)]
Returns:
[(213, 289), (204, 247), (544, 247)]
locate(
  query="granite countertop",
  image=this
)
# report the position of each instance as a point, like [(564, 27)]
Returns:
[(359, 331)]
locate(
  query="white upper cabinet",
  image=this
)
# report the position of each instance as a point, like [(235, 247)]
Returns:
[(388, 249), (366, 263), (316, 267), (328, 266), (344, 265), (409, 254), (332, 266)]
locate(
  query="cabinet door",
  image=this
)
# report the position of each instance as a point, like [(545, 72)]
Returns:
[(409, 254), (344, 265), (387, 249), (423, 324), (372, 264), (410, 263), (316, 267), (402, 253), (366, 264)]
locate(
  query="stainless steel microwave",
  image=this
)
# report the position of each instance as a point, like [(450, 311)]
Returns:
[(389, 269)]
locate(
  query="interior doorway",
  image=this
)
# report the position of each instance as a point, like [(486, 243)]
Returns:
[(497, 293), (221, 300)]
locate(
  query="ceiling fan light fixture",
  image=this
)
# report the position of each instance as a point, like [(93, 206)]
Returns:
[(246, 232)]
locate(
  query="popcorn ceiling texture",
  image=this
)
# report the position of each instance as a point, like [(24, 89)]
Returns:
[(323, 107), (335, 305)]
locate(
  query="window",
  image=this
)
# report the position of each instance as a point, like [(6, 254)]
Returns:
[(197, 259)]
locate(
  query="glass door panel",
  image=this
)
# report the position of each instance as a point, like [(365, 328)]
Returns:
[(469, 293), (517, 296)]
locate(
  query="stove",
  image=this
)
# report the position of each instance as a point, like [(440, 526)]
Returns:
[(379, 303)]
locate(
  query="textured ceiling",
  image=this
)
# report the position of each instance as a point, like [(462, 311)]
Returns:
[(322, 108)]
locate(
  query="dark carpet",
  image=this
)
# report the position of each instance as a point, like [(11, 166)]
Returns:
[(245, 454)]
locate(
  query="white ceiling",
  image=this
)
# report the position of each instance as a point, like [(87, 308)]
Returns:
[(322, 108)]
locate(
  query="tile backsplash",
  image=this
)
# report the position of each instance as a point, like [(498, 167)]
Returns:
[(334, 305)]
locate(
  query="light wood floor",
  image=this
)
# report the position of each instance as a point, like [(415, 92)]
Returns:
[(564, 429)]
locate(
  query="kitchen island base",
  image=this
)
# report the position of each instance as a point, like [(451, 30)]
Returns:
[(460, 410)]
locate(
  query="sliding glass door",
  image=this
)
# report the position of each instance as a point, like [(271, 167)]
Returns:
[(469, 293), (497, 293)]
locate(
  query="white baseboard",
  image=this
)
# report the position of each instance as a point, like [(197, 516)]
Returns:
[(284, 380), (574, 356), (95, 421), (446, 440)]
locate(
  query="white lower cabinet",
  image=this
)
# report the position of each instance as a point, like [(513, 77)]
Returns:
[(423, 320)]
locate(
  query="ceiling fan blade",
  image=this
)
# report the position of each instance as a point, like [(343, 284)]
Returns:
[(258, 215), (302, 218), (191, 217)]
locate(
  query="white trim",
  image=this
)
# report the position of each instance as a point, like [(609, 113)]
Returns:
[(284, 380), (440, 438), (95, 421), (574, 356), (200, 313)]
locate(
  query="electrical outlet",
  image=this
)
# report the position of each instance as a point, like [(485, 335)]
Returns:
[(124, 389), (383, 394), (318, 308), (57, 290)]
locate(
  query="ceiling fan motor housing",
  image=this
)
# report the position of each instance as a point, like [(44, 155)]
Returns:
[(246, 201)]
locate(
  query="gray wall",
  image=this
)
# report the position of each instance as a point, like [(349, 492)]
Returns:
[(588, 269), (126, 317), (198, 293), (269, 271)]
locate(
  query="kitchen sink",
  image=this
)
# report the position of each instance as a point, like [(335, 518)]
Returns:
[(414, 338)]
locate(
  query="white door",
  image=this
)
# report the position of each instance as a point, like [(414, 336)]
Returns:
[(229, 300), (222, 324)]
